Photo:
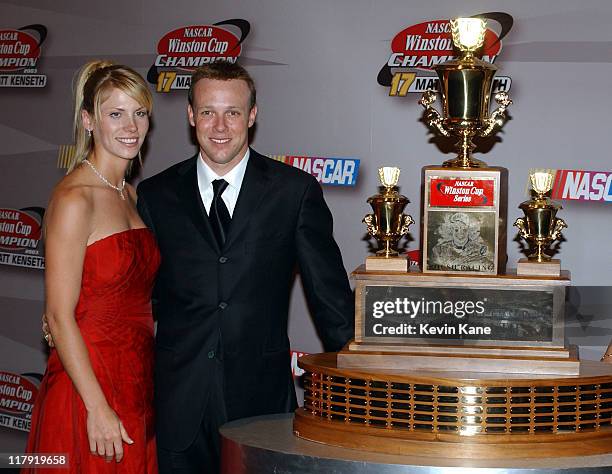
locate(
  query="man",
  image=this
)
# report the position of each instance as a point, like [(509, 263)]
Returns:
[(231, 226)]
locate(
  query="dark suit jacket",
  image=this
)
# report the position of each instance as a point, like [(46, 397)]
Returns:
[(229, 305)]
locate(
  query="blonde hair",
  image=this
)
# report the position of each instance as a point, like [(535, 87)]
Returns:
[(92, 86)]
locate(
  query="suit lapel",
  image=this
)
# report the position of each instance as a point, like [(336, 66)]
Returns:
[(252, 191), (189, 194)]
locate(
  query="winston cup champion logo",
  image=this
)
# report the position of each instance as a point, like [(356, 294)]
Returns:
[(417, 48), (20, 51), (17, 395), (182, 50), (21, 237)]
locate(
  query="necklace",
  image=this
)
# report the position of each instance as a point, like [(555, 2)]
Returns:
[(119, 189)]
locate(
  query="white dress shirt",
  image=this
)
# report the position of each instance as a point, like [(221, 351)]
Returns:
[(234, 179)]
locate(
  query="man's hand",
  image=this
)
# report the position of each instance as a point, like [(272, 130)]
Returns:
[(46, 332)]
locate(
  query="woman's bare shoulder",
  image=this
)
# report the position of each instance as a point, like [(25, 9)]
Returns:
[(71, 200)]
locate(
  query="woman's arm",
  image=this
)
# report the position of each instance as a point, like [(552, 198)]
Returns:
[(68, 226)]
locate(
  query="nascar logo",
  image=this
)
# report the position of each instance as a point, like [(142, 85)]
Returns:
[(18, 229), (427, 44), (330, 171), (20, 237), (17, 395), (20, 52), (582, 185), (190, 47), (423, 46)]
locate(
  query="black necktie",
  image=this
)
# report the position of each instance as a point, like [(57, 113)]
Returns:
[(219, 215)]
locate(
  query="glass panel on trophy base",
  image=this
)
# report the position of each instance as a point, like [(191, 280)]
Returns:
[(490, 323), (463, 219)]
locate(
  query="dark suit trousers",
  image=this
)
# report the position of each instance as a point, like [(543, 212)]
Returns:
[(203, 456)]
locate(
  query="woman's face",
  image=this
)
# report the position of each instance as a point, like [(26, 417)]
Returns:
[(122, 127)]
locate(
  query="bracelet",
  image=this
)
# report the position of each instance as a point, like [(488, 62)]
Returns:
[(605, 356)]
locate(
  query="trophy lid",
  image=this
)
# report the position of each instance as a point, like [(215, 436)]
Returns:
[(468, 37), (389, 177), (468, 33), (541, 185)]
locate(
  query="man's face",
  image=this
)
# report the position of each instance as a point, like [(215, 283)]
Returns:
[(460, 234), (221, 116)]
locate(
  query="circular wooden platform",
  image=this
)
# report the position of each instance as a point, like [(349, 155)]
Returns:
[(460, 415)]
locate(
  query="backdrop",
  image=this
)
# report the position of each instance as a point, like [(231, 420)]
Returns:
[(338, 84)]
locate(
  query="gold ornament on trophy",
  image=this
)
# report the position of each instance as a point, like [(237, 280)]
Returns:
[(465, 85), (540, 227), (388, 224)]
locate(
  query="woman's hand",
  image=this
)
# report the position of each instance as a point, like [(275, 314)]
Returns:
[(106, 433), (46, 332)]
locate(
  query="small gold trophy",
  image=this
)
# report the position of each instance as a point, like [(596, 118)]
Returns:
[(464, 200), (465, 84), (540, 227), (387, 224)]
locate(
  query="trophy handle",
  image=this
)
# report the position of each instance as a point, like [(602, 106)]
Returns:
[(496, 119), (432, 116), (407, 221), (559, 226), (520, 223), (368, 220)]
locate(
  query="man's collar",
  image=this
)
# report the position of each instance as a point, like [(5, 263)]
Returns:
[(234, 177)]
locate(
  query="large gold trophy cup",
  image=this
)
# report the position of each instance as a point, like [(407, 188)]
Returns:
[(464, 200), (465, 85)]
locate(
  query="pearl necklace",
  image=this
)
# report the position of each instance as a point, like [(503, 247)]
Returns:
[(119, 189)]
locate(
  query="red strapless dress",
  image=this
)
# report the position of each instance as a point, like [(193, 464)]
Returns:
[(114, 316)]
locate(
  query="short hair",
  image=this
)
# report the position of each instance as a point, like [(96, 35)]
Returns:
[(223, 71), (93, 84)]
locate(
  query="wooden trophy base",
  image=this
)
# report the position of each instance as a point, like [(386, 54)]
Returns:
[(531, 268), (468, 415), (386, 264)]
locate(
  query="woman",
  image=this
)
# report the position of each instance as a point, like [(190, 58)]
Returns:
[(95, 401)]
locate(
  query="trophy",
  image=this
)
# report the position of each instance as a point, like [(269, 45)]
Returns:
[(465, 84), (464, 200), (388, 224), (540, 227)]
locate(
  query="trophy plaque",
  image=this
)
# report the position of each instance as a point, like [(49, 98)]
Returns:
[(387, 224), (464, 201), (540, 227), (464, 220)]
